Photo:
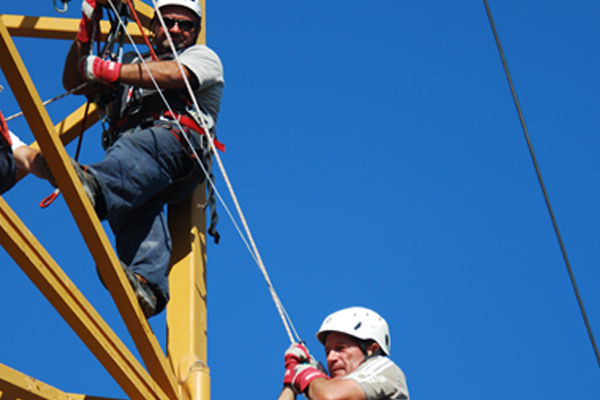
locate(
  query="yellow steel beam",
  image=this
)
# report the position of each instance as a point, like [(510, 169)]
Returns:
[(57, 28), (66, 28), (84, 214), (76, 123), (62, 293), (186, 310), (70, 127), (15, 385), (145, 12)]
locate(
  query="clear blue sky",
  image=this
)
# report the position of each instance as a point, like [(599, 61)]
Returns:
[(379, 159)]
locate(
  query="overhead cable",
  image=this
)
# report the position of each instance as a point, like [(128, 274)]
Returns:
[(543, 187)]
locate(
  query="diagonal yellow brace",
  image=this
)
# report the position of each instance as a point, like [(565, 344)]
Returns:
[(84, 214), (58, 28), (70, 127), (62, 293), (15, 385)]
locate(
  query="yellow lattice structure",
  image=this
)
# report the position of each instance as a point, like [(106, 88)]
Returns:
[(183, 372)]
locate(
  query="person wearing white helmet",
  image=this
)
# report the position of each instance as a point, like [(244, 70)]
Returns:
[(357, 346), (151, 159)]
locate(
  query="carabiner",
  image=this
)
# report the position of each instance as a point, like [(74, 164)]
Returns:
[(65, 7)]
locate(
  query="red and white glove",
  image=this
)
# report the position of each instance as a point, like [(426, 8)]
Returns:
[(296, 354), (303, 375), (91, 13), (301, 368), (95, 69)]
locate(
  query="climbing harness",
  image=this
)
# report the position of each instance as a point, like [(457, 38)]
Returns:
[(194, 121), (144, 118), (247, 238)]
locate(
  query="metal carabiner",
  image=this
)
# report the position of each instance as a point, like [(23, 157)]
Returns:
[(65, 7)]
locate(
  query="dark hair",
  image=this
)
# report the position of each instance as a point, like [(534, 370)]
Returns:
[(365, 344)]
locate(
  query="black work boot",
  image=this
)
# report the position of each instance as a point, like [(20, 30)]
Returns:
[(90, 184), (46, 171), (142, 290), (91, 188)]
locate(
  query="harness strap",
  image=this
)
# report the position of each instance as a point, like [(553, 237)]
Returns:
[(184, 120), (206, 160), (205, 155), (188, 122)]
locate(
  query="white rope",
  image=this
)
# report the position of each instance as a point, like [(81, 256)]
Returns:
[(248, 239)]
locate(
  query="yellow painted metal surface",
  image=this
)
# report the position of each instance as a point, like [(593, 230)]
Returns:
[(71, 127), (60, 28), (62, 293), (187, 310), (184, 374), (197, 383), (15, 385), (84, 215)]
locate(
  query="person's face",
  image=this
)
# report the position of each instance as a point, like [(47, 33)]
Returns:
[(182, 26), (343, 354)]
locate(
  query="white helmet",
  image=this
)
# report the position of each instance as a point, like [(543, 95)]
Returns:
[(360, 323), (193, 5)]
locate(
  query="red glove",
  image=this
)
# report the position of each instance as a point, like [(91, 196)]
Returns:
[(304, 374), (296, 354), (95, 69), (91, 13)]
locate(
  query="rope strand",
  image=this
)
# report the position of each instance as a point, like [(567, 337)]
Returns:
[(20, 113), (256, 254)]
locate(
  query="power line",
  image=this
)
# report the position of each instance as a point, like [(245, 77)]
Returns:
[(543, 187)]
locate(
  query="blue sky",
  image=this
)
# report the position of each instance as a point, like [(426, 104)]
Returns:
[(379, 159)]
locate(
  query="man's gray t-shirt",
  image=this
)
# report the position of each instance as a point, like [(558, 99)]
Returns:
[(381, 379), (202, 62), (208, 70)]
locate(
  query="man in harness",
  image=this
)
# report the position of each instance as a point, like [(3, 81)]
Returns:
[(149, 161), (357, 346)]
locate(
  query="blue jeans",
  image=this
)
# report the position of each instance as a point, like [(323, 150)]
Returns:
[(141, 172), (8, 169)]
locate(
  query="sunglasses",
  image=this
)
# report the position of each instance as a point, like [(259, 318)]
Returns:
[(184, 24)]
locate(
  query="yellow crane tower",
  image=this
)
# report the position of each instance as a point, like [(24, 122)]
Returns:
[(183, 373)]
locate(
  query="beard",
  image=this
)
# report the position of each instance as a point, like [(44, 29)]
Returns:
[(178, 42)]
